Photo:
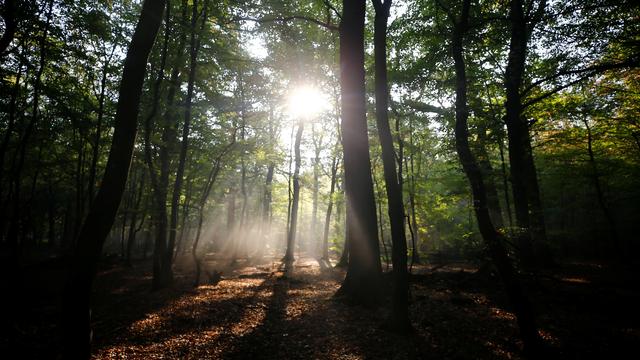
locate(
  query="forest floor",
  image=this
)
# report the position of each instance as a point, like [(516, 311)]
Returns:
[(256, 311)]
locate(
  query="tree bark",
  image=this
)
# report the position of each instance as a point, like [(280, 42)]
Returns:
[(361, 284), (327, 217), (400, 319), (493, 240), (526, 195), (291, 234), (77, 305)]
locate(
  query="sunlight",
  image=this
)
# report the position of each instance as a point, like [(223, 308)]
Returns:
[(306, 102)]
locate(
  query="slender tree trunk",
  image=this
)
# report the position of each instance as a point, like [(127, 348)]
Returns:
[(186, 128), (613, 232), (413, 222), (186, 210), (317, 147), (400, 319), (211, 179), (163, 252), (14, 227), (361, 284), (96, 142), (327, 218), (505, 183), (131, 238), (492, 238), (77, 305), (159, 217), (265, 228), (291, 234)]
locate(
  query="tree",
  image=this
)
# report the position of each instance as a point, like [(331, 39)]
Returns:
[(394, 192), (363, 272), (492, 238), (77, 311)]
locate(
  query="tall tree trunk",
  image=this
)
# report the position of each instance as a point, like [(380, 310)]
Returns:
[(327, 217), (293, 226), (361, 284), (186, 128), (83, 267), (131, 237), (203, 201), (96, 141), (265, 228), (186, 210), (505, 182), (344, 256), (400, 319), (159, 217), (317, 147), (613, 232), (492, 238), (14, 227), (526, 196), (163, 252)]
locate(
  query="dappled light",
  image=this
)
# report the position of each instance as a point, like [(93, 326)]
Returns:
[(335, 179)]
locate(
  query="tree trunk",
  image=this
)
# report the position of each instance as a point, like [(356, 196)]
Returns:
[(265, 228), (492, 238), (186, 128), (487, 171), (96, 141), (361, 284), (76, 307), (14, 227), (400, 319), (613, 232), (131, 238), (163, 252), (327, 217), (291, 234), (526, 196), (317, 146)]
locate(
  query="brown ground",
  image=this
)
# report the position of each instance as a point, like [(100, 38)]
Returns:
[(258, 312)]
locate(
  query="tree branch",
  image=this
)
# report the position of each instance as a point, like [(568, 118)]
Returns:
[(328, 4), (285, 19), (592, 70), (420, 106)]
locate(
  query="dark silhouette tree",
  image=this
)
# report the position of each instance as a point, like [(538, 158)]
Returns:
[(361, 284), (493, 239), (77, 302), (400, 320)]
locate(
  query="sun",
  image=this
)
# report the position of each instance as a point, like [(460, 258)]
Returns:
[(305, 102)]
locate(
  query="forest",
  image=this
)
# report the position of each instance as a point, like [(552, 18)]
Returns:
[(319, 179)]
